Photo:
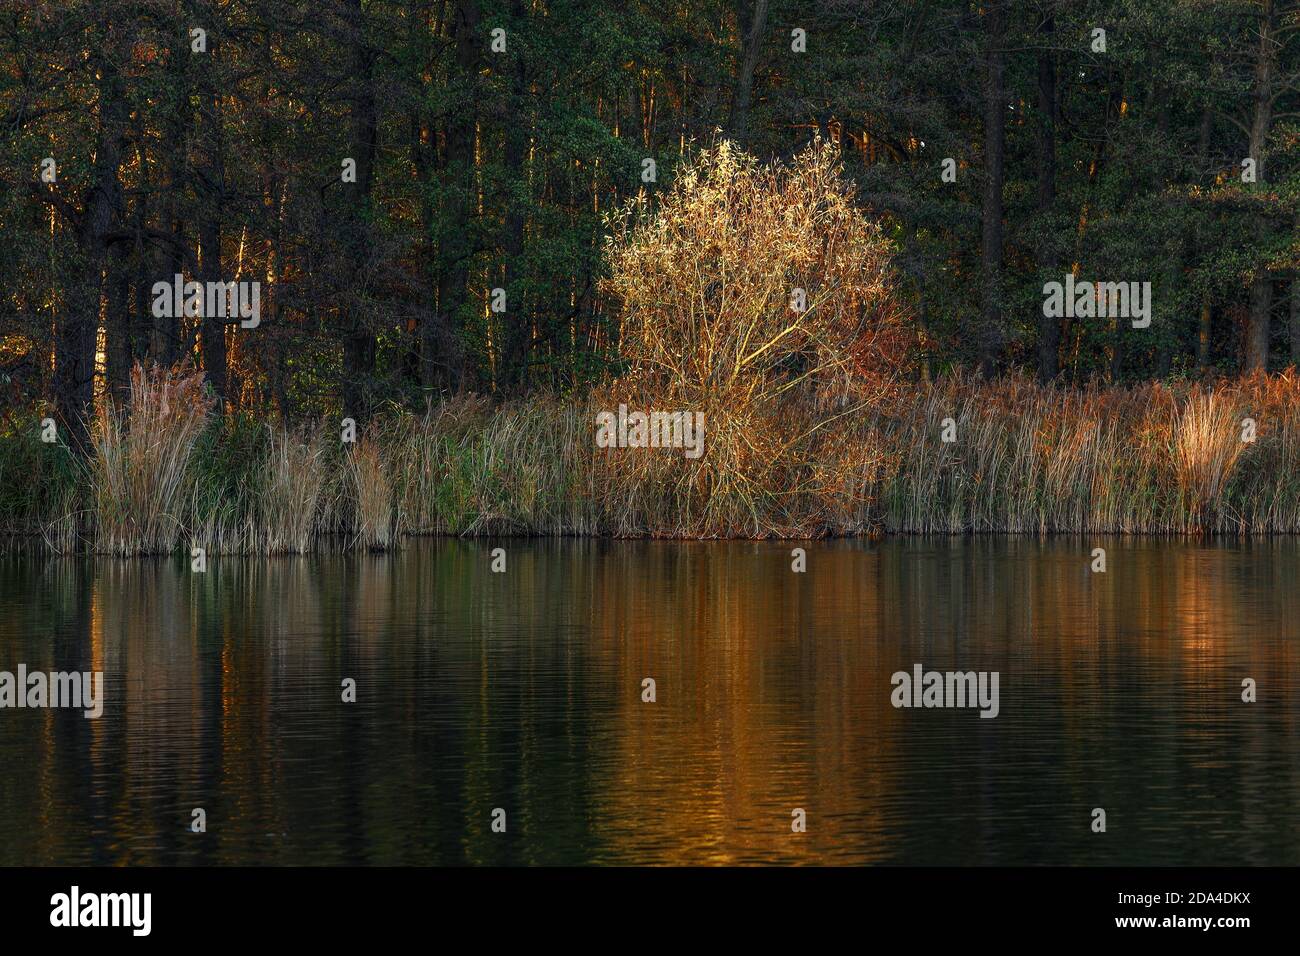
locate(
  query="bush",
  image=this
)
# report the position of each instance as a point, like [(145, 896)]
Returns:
[(761, 296)]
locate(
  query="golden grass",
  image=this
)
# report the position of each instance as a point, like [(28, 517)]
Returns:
[(373, 491), (1155, 459), (139, 465), (1207, 444), (291, 491)]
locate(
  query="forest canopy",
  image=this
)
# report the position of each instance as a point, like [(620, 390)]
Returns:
[(422, 190)]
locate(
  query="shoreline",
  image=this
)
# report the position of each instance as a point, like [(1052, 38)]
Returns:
[(166, 474), (26, 546)]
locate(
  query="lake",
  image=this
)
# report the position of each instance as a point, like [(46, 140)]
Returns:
[(523, 691)]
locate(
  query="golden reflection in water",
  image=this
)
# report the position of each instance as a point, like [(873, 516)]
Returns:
[(523, 690)]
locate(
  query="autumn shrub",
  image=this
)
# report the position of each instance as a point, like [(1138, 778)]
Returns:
[(762, 296)]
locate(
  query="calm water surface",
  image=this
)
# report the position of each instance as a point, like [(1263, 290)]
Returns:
[(523, 691)]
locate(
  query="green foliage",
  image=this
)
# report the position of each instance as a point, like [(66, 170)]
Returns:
[(496, 170), (39, 482)]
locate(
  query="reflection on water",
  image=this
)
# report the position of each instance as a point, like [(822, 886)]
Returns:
[(523, 691)]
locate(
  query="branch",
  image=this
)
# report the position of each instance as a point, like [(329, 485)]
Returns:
[(1235, 122), (23, 115), (51, 196), (170, 240)]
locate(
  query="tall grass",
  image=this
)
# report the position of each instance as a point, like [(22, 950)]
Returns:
[(139, 465), (1207, 445), (1155, 459), (373, 490), (290, 493), (1152, 459), (41, 488)]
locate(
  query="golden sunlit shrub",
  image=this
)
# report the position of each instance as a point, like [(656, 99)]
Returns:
[(753, 280), (761, 296)]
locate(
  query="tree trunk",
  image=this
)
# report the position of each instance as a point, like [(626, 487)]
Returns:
[(78, 326), (1295, 322), (1261, 288), (1049, 327), (454, 245), (142, 305), (1205, 314), (359, 340), (518, 332), (117, 322), (423, 30), (211, 189), (165, 341), (1161, 324), (991, 334), (751, 33), (1204, 325), (1257, 326)]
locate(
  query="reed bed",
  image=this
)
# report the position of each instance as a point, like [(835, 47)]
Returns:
[(291, 492), (166, 473), (140, 459), (372, 489)]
